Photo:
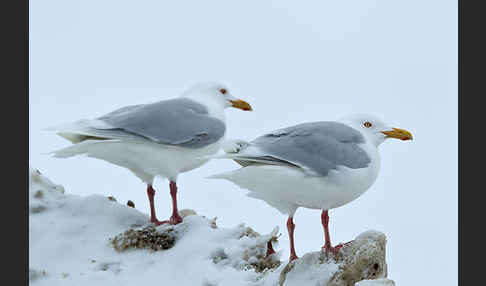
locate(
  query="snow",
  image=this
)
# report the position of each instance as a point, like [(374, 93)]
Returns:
[(72, 241), (309, 268), (69, 242)]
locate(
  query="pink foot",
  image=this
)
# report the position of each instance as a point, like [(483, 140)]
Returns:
[(335, 249), (270, 250), (158, 222), (175, 219), (172, 221)]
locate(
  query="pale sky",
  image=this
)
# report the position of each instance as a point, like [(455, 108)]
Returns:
[(294, 61)]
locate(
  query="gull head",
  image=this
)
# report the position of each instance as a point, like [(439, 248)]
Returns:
[(374, 129), (215, 94)]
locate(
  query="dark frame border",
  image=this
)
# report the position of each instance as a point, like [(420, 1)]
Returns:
[(15, 144)]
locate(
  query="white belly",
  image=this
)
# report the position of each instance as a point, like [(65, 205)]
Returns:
[(287, 188), (146, 160)]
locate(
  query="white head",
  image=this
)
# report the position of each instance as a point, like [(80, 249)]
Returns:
[(211, 93), (375, 130)]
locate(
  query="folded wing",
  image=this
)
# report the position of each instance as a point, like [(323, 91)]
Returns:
[(177, 122), (316, 148)]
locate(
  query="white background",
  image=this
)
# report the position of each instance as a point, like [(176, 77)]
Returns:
[(294, 61)]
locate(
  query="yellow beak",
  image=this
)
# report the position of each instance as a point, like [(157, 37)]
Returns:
[(241, 104), (398, 133)]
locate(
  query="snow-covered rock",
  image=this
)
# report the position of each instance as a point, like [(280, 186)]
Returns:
[(363, 258), (95, 240)]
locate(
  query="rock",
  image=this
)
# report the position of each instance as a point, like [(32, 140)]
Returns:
[(247, 231), (109, 266), (148, 237), (250, 251), (35, 209), (64, 275), (35, 274), (39, 194), (42, 192), (186, 212), (130, 204), (376, 282), (363, 258)]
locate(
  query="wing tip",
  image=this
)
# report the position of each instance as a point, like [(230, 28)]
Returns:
[(216, 176)]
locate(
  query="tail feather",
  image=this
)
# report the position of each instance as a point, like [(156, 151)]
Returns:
[(86, 129), (75, 126), (224, 175), (245, 154), (245, 160), (76, 149)]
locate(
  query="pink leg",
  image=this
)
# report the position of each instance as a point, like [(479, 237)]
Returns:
[(325, 225), (175, 218), (290, 229), (270, 250), (327, 244), (151, 194)]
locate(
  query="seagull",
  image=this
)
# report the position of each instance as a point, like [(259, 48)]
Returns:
[(164, 138), (316, 165)]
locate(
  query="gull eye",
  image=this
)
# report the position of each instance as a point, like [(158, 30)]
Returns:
[(223, 91), (367, 124)]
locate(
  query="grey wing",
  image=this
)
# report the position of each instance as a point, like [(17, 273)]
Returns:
[(316, 147), (179, 122)]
